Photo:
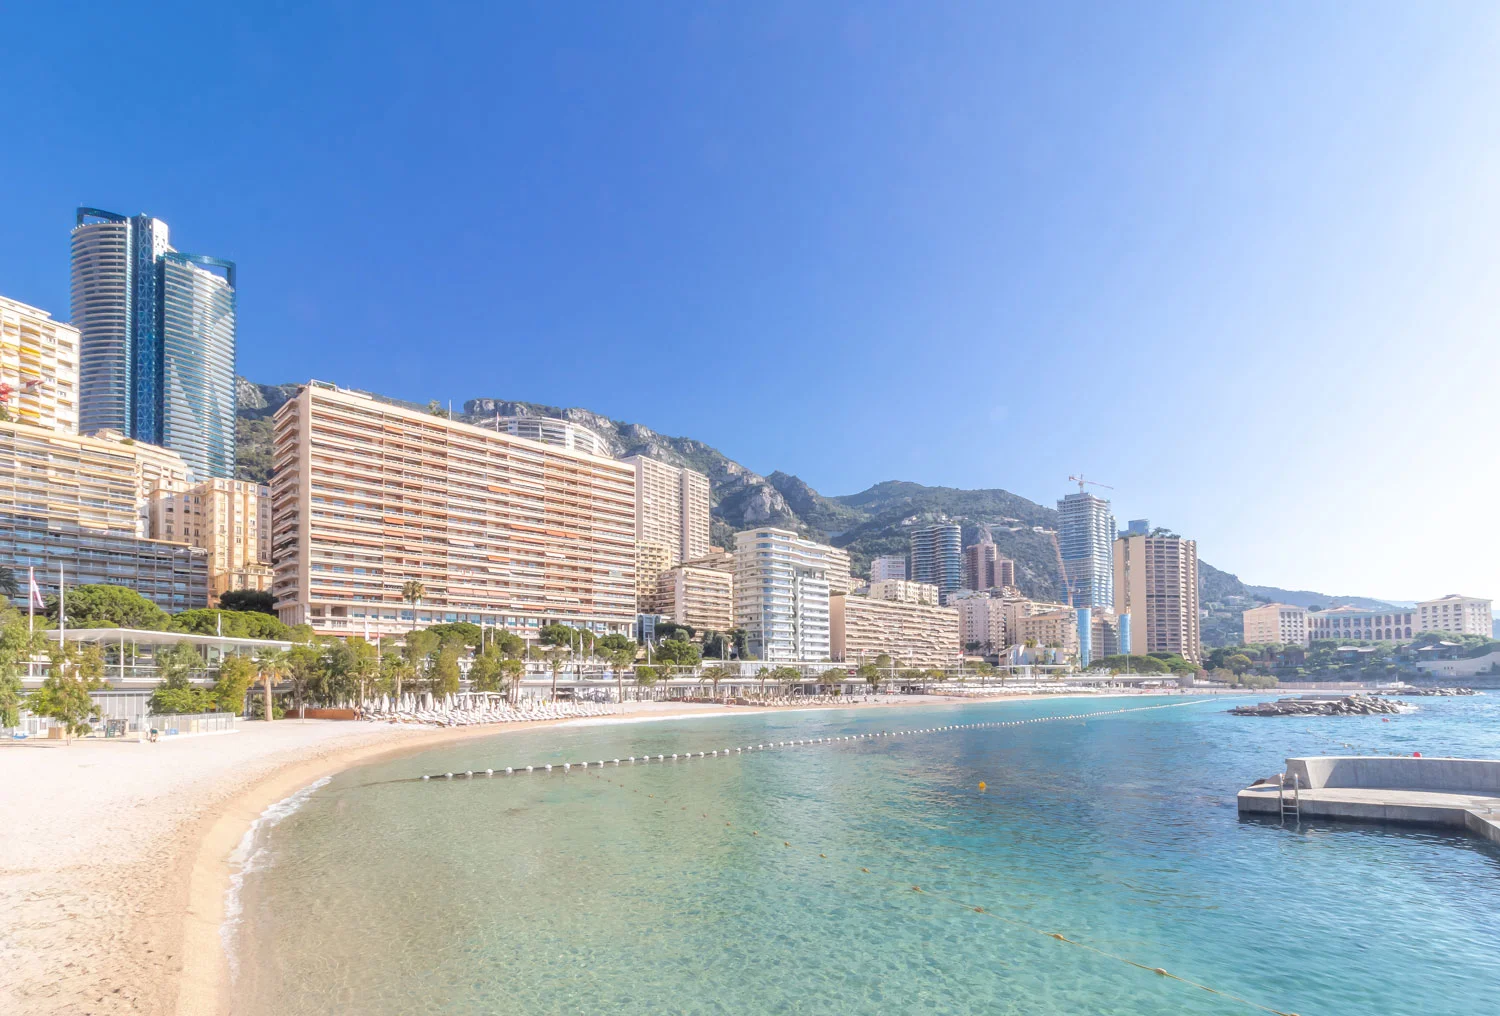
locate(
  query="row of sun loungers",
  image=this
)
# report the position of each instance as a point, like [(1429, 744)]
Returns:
[(463, 714)]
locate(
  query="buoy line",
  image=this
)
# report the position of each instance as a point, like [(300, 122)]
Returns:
[(907, 886), (590, 765)]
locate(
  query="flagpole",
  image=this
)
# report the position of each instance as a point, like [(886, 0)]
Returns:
[(62, 606), (31, 599)]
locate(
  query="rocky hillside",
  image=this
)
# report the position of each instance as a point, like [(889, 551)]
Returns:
[(868, 524)]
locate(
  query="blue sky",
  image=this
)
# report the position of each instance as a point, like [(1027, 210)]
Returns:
[(1237, 260)]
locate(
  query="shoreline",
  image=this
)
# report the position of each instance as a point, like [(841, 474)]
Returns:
[(116, 877), (205, 984)]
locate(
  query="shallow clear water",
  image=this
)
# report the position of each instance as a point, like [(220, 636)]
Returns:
[(580, 893)]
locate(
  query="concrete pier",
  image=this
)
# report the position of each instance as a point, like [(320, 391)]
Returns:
[(1453, 792)]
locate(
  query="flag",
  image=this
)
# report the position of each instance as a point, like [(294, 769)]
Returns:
[(35, 592)]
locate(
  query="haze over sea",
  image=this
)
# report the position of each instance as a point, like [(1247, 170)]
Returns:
[(640, 889)]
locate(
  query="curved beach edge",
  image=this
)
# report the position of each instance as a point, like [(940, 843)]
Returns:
[(205, 873)]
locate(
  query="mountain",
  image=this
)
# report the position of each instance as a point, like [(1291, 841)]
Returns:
[(868, 524)]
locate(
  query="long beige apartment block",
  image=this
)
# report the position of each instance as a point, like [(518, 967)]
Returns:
[(497, 530), (913, 634)]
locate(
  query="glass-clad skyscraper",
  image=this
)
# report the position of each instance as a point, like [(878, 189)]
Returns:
[(1085, 539), (937, 557), (156, 339)]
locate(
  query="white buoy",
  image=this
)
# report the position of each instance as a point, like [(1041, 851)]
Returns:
[(508, 770), (448, 776), (658, 758), (528, 769), (426, 777), (549, 767), (489, 772)]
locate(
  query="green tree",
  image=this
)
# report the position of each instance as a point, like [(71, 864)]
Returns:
[(107, 606), (556, 658), (176, 665), (249, 600), (619, 658), (679, 652), (9, 589), (466, 632), (412, 591), (646, 677), (784, 678), (236, 673), (445, 672), (304, 662), (869, 674), (485, 672), (273, 665), (514, 669), (510, 644), (17, 646), (571, 638), (239, 624), (1238, 663), (617, 643), (713, 675), (64, 697)]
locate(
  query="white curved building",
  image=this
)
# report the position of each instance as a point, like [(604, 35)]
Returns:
[(549, 430)]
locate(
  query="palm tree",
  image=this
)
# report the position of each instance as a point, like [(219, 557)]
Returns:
[(9, 587), (714, 675), (412, 591), (619, 659), (273, 664), (557, 656)]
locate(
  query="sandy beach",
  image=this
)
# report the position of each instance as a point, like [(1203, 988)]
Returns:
[(115, 856)]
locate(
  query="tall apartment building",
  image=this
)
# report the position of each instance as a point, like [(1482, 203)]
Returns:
[(702, 598), (1457, 615), (985, 567), (231, 520), (981, 622), (1104, 634), (500, 531), (74, 501), (651, 560), (902, 591), (937, 557), (671, 507), (671, 519), (1085, 532), (889, 567), (38, 368), (781, 594), (912, 634), (1017, 608), (1276, 622), (1156, 583), (839, 580), (1358, 624), (156, 339)]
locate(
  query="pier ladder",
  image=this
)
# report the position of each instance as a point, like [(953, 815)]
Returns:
[(1289, 796)]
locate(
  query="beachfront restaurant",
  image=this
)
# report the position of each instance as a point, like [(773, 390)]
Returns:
[(130, 666)]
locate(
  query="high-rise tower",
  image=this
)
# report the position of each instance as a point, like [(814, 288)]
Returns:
[(156, 339), (1085, 539), (937, 557)]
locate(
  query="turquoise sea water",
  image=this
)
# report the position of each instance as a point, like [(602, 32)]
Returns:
[(579, 893)]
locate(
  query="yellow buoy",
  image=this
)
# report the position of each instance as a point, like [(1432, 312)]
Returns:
[(982, 784)]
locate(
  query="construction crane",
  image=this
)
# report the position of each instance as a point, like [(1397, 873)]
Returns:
[(1092, 483), (1062, 570)]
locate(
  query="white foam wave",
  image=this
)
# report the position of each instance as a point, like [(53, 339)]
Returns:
[(252, 855)]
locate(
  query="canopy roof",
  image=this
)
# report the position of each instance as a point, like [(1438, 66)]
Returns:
[(148, 637)]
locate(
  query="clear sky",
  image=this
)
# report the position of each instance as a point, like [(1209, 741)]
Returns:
[(1240, 261)]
